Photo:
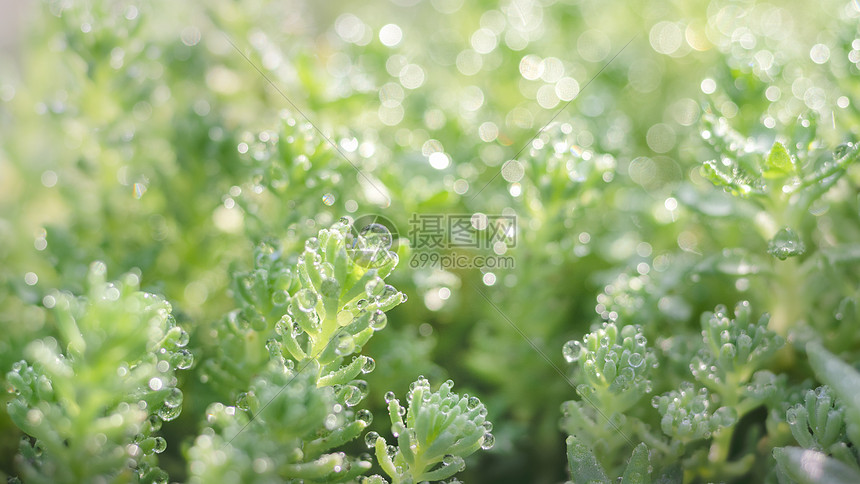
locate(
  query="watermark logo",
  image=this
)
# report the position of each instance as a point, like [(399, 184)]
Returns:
[(370, 239), (462, 241), (444, 241)]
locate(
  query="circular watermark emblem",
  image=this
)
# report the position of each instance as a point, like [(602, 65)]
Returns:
[(371, 239)]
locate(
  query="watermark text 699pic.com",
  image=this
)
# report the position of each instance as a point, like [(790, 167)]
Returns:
[(462, 241)]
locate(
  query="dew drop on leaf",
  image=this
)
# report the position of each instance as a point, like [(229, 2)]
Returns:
[(365, 416), (183, 359), (786, 243), (242, 402), (374, 287), (488, 441), (345, 345), (329, 287), (306, 300), (160, 445), (842, 150), (377, 236), (369, 365), (169, 413), (344, 318), (389, 296), (378, 320), (154, 423), (571, 351), (370, 439), (280, 298), (173, 398)]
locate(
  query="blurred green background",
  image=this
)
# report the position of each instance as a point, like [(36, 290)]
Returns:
[(137, 134)]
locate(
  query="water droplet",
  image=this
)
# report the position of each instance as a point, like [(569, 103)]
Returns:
[(330, 422), (183, 359), (840, 151), (364, 415), (685, 427), (306, 300), (160, 445), (388, 297), (280, 298), (284, 325), (169, 413), (173, 398), (474, 402), (378, 320), (488, 441), (370, 439), (330, 288), (351, 395), (243, 401), (312, 244), (374, 287), (786, 243), (636, 360), (377, 236), (369, 365), (345, 345), (344, 317), (183, 338), (726, 416), (571, 351), (154, 423)]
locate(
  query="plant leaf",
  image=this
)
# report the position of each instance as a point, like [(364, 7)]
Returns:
[(845, 382), (812, 467), (583, 464), (638, 471), (778, 163)]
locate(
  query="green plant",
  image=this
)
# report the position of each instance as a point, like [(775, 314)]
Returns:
[(441, 428), (99, 393), (314, 315)]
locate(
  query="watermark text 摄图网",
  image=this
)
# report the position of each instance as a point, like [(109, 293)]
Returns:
[(455, 241)]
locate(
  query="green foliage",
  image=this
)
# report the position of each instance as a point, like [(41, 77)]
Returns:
[(99, 393), (585, 468), (441, 428), (824, 426), (300, 406)]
